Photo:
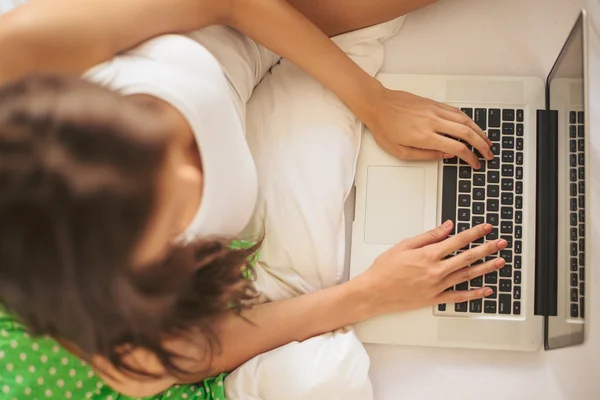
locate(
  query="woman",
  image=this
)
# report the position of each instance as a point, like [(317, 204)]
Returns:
[(110, 203)]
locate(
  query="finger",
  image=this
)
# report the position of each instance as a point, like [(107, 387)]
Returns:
[(465, 274), (460, 296), (456, 242), (433, 236), (471, 123), (454, 147), (463, 127), (470, 256)]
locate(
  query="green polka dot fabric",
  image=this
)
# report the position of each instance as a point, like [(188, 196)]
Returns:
[(39, 368)]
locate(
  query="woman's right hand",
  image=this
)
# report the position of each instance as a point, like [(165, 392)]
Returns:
[(416, 272)]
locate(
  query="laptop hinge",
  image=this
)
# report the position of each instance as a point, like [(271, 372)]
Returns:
[(546, 266)]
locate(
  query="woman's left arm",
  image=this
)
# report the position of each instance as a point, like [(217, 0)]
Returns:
[(405, 125)]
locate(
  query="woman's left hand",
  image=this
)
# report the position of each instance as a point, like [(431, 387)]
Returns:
[(416, 128)]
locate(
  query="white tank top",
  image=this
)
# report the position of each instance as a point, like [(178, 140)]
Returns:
[(183, 73)]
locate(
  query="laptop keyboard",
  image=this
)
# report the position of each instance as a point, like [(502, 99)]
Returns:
[(493, 194), (577, 213)]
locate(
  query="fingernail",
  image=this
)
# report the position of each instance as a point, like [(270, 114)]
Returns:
[(500, 262), (502, 244), (447, 224), (448, 155), (490, 156), (478, 165), (487, 292)]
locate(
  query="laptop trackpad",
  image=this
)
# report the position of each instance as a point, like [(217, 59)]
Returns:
[(395, 203)]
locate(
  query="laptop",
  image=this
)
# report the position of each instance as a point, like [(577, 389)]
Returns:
[(533, 193)]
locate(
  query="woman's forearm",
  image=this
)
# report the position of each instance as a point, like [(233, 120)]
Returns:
[(68, 36), (281, 28)]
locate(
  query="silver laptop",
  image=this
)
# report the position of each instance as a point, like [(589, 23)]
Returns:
[(533, 193)]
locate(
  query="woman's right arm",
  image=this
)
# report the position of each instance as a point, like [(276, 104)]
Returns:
[(66, 36), (411, 275)]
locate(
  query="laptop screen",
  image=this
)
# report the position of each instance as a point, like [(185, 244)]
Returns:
[(566, 102)]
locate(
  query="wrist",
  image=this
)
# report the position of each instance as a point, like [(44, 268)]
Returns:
[(369, 96), (358, 300)]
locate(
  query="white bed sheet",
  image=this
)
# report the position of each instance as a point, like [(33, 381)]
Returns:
[(491, 37)]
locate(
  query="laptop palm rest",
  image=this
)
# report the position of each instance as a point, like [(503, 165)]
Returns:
[(394, 204)]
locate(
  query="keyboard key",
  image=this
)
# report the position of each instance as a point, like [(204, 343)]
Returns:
[(495, 148), (493, 205), (572, 117), (477, 282), (493, 191), (519, 174), (464, 172), (480, 118), (506, 213), (582, 230), (581, 173), (505, 285), (489, 307), (573, 250), (468, 111), (491, 278), (508, 156), (508, 115), (475, 306), (519, 144), (504, 304), (517, 292), (507, 184), (519, 202), (519, 217), (572, 131), (582, 288), (519, 187), (517, 262), (518, 231), (492, 219), (581, 259), (574, 311), (581, 216), (518, 247), (581, 187), (581, 201), (572, 146), (573, 264), (573, 160), (462, 286), (478, 193), (461, 307), (520, 115), (494, 117), (479, 179), (494, 135), (517, 308), (519, 158), (506, 254), (574, 280), (582, 274), (464, 214), (574, 294), (494, 294), (506, 271), (506, 199), (441, 307), (508, 128), (581, 159), (573, 219), (477, 220), (462, 227), (492, 177), (573, 190), (580, 117), (520, 129), (464, 186), (508, 142), (573, 204), (464, 200), (581, 131), (508, 170), (581, 307), (449, 194), (573, 175), (494, 164), (493, 235), (580, 144), (517, 278), (478, 208), (581, 244)]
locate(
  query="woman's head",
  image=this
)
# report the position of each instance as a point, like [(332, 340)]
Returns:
[(88, 196)]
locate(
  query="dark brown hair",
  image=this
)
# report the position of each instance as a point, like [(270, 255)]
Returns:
[(78, 179)]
